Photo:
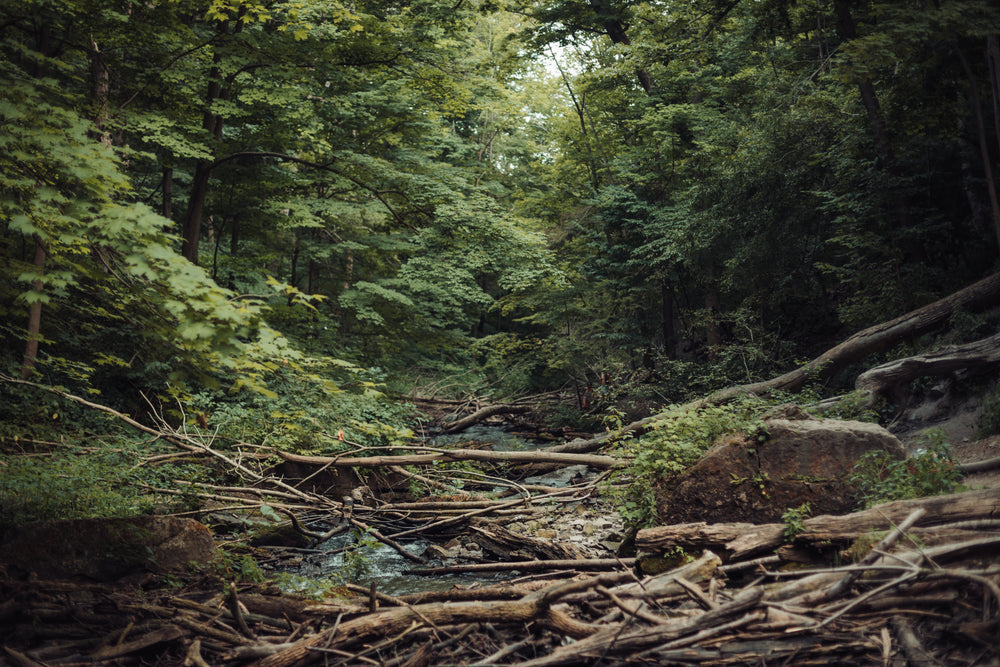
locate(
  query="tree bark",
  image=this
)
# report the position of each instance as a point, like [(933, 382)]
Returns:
[(34, 315), (212, 123)]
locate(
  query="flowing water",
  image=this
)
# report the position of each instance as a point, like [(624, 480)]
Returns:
[(361, 560)]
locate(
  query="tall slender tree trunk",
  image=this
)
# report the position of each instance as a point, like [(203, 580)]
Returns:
[(101, 92), (595, 180), (869, 99), (166, 207), (899, 215), (984, 151), (34, 314), (615, 29), (191, 231), (212, 123), (993, 61), (667, 320)]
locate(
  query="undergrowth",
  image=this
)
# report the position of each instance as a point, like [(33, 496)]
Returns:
[(930, 471)]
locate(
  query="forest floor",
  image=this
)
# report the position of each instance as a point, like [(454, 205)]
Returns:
[(883, 610)]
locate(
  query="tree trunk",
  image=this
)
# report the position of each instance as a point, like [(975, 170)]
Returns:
[(984, 151), (845, 24), (191, 232), (213, 124), (667, 320), (993, 61), (101, 93), (167, 208), (34, 315)]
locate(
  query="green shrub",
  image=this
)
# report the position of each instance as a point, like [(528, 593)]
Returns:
[(794, 518), (930, 471)]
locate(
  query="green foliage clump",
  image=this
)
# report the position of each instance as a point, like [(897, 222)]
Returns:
[(853, 406), (930, 471), (232, 565), (306, 412), (61, 487), (675, 441), (793, 518)]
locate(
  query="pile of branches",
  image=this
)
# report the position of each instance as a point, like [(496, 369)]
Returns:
[(897, 605)]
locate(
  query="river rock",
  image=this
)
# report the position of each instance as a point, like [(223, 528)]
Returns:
[(105, 549), (801, 461)]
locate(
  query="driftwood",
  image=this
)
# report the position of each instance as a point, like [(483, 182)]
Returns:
[(506, 545), (740, 540)]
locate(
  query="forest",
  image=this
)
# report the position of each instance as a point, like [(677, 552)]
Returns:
[(311, 209), (294, 225)]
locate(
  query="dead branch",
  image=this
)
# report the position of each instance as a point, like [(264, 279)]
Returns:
[(482, 414), (432, 455)]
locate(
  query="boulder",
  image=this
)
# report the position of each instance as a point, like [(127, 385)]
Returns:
[(801, 461), (105, 549)]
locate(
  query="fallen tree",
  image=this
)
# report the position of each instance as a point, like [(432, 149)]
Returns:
[(888, 379), (430, 455), (978, 296), (483, 414), (742, 540)]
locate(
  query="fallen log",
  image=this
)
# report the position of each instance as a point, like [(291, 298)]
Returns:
[(506, 545), (982, 294), (596, 646), (740, 540), (529, 566), (388, 623), (977, 296), (432, 455), (978, 466), (888, 379), (482, 414)]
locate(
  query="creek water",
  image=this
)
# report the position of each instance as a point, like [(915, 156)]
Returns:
[(359, 559)]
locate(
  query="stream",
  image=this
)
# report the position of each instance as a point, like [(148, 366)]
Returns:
[(344, 559)]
